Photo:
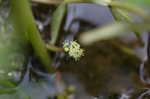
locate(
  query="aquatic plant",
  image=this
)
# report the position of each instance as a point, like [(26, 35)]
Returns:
[(18, 31), (73, 49)]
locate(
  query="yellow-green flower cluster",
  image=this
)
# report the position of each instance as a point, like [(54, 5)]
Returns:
[(73, 49)]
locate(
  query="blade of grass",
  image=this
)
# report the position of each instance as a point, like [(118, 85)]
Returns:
[(56, 21)]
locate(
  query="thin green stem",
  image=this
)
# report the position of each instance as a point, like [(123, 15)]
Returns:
[(54, 48)]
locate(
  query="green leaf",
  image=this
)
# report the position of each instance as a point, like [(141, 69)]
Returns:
[(123, 15), (130, 7), (13, 94), (143, 2), (58, 16), (8, 91), (7, 84), (111, 31), (101, 2), (7, 87), (13, 45), (56, 22), (103, 33), (24, 19)]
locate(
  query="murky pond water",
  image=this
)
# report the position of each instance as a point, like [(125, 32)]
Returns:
[(105, 72)]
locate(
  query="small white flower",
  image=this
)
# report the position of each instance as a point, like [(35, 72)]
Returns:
[(73, 49)]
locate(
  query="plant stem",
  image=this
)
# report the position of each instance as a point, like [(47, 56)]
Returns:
[(25, 20), (54, 48)]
